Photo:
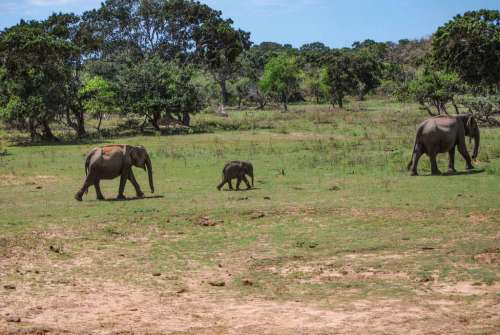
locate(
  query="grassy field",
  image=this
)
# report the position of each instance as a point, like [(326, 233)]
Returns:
[(335, 238)]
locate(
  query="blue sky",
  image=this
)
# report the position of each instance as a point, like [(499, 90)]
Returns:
[(337, 23)]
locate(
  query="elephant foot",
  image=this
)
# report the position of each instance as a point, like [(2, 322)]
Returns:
[(436, 173), (140, 195), (121, 197), (414, 174), (78, 197), (452, 171), (101, 198), (470, 167)]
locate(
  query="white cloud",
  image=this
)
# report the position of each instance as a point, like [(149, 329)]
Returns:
[(54, 2)]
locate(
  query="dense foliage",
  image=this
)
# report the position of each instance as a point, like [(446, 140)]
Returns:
[(161, 60), (470, 46)]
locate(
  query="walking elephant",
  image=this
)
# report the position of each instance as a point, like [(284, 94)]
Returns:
[(236, 170), (442, 134), (113, 161)]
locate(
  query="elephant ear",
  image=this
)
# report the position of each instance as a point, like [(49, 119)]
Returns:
[(470, 126), (127, 154)]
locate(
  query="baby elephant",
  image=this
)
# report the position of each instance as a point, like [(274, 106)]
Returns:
[(238, 170)]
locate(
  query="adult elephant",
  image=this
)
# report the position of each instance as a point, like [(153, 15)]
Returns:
[(113, 161), (442, 134)]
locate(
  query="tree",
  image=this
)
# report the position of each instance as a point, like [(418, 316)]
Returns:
[(36, 73), (367, 70), (313, 84), (470, 46), (219, 47), (99, 98), (72, 29), (159, 91), (252, 63), (242, 86), (313, 54), (338, 78), (434, 89), (185, 30), (281, 78)]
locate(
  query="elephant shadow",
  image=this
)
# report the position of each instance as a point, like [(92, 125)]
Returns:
[(463, 173), (137, 198), (243, 189)]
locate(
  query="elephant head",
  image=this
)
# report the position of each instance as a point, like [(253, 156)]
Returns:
[(472, 130), (140, 158), (249, 169)]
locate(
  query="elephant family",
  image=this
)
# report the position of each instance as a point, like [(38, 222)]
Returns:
[(111, 161), (236, 170), (442, 134)]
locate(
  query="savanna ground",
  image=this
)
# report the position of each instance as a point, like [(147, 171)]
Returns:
[(336, 238)]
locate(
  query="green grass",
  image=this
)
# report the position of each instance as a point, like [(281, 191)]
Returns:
[(338, 195)]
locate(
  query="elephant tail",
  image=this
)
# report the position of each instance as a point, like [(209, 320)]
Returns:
[(87, 164), (419, 132)]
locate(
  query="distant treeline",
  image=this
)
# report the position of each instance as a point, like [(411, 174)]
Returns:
[(163, 60)]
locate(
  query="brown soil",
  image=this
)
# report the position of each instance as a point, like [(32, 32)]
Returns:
[(192, 305), (109, 308)]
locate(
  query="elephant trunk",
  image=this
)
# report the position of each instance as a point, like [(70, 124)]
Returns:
[(251, 175), (477, 139), (150, 174)]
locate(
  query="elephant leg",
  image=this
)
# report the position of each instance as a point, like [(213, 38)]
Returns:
[(123, 181), (134, 182), (97, 187), (219, 187), (462, 148), (86, 184), (238, 183), (416, 156), (246, 182), (230, 183), (451, 162), (434, 167)]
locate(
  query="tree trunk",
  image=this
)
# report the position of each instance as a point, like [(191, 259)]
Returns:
[(186, 119), (155, 121), (99, 124), (223, 90), (340, 101), (80, 124), (47, 132), (32, 128)]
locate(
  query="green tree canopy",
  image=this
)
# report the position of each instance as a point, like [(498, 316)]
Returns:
[(37, 68), (434, 89), (281, 78), (338, 77), (159, 90), (470, 46)]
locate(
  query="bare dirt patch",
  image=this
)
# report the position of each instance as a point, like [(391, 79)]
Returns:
[(109, 308), (466, 288), (325, 271), (15, 180), (490, 256)]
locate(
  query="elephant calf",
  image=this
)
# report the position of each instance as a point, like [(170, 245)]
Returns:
[(114, 161), (442, 134), (236, 170)]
